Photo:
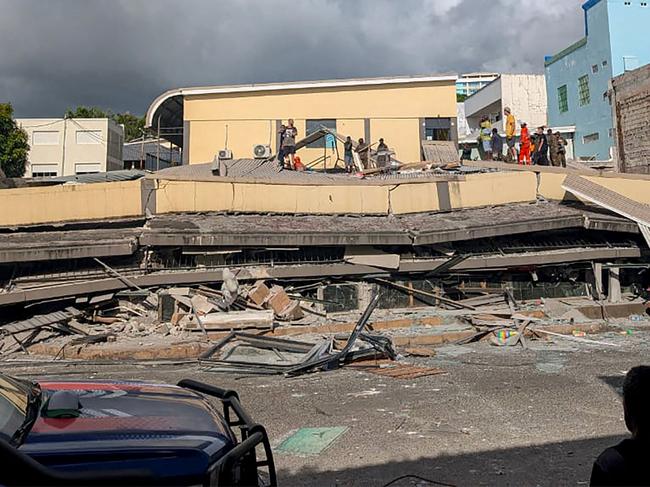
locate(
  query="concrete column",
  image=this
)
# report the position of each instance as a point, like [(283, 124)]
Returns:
[(365, 291), (598, 280), (320, 294), (614, 288)]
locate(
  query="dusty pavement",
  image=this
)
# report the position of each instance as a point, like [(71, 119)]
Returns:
[(497, 417)]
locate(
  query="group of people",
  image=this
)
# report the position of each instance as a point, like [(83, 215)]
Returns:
[(288, 134), (362, 149), (541, 148)]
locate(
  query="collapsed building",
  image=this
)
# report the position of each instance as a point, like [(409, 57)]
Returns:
[(476, 229)]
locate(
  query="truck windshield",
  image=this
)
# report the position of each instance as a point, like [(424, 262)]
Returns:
[(14, 403)]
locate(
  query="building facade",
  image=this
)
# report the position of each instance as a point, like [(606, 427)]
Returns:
[(630, 95), (524, 94), (577, 78), (470, 83), (65, 147), (403, 110)]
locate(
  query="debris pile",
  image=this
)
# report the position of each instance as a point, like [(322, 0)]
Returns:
[(254, 354)]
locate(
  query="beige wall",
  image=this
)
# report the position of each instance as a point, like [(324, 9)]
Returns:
[(53, 204), (104, 150), (393, 110), (475, 191), (31, 206)]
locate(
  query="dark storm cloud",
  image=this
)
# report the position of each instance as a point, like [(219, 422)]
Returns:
[(120, 54)]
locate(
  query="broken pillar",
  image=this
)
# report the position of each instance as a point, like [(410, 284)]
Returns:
[(366, 291), (596, 280), (614, 285)]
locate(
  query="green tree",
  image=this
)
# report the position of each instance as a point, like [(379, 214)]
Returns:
[(13, 144), (133, 125), (460, 98), (88, 112)]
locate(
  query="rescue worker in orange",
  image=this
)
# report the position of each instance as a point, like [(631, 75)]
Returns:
[(524, 151)]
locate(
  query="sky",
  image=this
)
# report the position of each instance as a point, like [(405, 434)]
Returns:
[(121, 54)]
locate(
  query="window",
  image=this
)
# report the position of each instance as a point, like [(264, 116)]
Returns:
[(89, 137), (583, 90), (594, 68), (314, 126), (611, 133), (87, 168), (44, 170), (588, 139), (45, 137), (563, 99), (437, 129), (605, 63)]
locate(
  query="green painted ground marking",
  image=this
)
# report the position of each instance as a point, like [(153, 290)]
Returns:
[(311, 441)]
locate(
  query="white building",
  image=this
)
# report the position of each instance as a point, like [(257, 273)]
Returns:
[(525, 94), (65, 147), (470, 83)]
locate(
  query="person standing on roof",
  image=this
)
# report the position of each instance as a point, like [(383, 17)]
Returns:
[(348, 157), (467, 153), (511, 127), (289, 142), (552, 148), (497, 145), (486, 137), (362, 150), (281, 154), (524, 150), (382, 147), (541, 148), (561, 149)]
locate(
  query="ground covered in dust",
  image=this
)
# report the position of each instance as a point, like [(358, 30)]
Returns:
[(505, 416)]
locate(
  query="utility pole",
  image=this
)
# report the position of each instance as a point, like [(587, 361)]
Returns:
[(142, 164), (65, 124), (158, 148)]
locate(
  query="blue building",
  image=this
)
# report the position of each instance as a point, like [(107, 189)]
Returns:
[(577, 79)]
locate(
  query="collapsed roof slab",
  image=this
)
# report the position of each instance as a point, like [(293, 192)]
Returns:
[(217, 230), (343, 270), (67, 245)]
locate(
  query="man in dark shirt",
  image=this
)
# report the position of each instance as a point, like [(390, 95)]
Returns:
[(467, 153), (497, 145), (382, 147), (627, 462), (541, 148)]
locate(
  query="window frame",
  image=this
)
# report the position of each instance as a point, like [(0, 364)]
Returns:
[(36, 133), (317, 122), (563, 98), (584, 90), (95, 137)]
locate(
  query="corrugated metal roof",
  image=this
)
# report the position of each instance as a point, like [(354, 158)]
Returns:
[(100, 177), (134, 152)]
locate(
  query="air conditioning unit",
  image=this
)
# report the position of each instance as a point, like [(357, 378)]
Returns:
[(262, 151), (225, 154)]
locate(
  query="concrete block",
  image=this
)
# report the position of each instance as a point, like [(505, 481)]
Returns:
[(278, 300), (259, 293)]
